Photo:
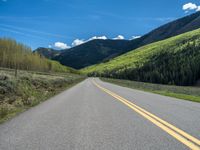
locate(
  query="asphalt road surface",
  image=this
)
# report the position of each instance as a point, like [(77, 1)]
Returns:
[(95, 115)]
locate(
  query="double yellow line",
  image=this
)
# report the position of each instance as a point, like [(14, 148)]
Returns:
[(190, 141)]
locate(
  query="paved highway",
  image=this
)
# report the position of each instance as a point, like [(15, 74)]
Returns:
[(95, 115)]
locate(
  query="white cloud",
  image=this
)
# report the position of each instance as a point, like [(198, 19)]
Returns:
[(135, 37), (190, 6), (61, 45), (98, 37), (77, 42), (198, 8), (119, 37)]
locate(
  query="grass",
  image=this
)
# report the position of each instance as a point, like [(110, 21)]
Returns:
[(28, 89), (180, 92)]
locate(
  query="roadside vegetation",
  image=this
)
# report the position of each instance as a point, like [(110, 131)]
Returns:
[(180, 92), (27, 78), (29, 89), (175, 61)]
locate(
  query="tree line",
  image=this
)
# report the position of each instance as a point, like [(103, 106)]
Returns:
[(16, 55)]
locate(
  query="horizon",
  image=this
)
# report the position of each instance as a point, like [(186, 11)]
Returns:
[(62, 25)]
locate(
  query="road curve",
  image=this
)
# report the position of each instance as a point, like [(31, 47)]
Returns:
[(87, 117)]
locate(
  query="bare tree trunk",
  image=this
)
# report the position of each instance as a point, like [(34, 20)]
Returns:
[(15, 70)]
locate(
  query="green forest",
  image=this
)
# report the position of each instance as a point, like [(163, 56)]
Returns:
[(15, 55), (172, 61)]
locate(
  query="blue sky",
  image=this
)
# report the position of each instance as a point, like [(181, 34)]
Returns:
[(58, 23)]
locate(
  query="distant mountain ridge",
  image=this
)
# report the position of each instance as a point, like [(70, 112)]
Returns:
[(173, 28), (97, 51), (48, 52)]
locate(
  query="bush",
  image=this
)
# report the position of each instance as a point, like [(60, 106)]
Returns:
[(28, 101), (6, 87), (4, 110)]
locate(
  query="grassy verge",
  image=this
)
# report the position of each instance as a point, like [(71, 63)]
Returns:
[(28, 89), (180, 92)]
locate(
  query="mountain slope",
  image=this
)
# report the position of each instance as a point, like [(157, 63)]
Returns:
[(97, 51), (172, 61), (173, 28)]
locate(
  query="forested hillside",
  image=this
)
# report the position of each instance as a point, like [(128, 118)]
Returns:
[(172, 61), (18, 56)]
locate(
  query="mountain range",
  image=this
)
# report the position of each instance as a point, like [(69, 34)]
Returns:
[(98, 51)]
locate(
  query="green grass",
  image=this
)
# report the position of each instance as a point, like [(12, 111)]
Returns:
[(180, 92), (28, 89)]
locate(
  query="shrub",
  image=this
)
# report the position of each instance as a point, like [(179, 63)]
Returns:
[(4, 109), (28, 101)]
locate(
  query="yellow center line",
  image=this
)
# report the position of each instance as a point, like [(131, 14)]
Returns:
[(180, 135)]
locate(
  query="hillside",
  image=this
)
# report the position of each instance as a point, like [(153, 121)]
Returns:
[(92, 52), (15, 55), (97, 51), (172, 61)]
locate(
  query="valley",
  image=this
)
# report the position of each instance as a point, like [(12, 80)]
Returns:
[(97, 75)]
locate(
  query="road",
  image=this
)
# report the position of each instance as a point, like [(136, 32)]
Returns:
[(94, 115)]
